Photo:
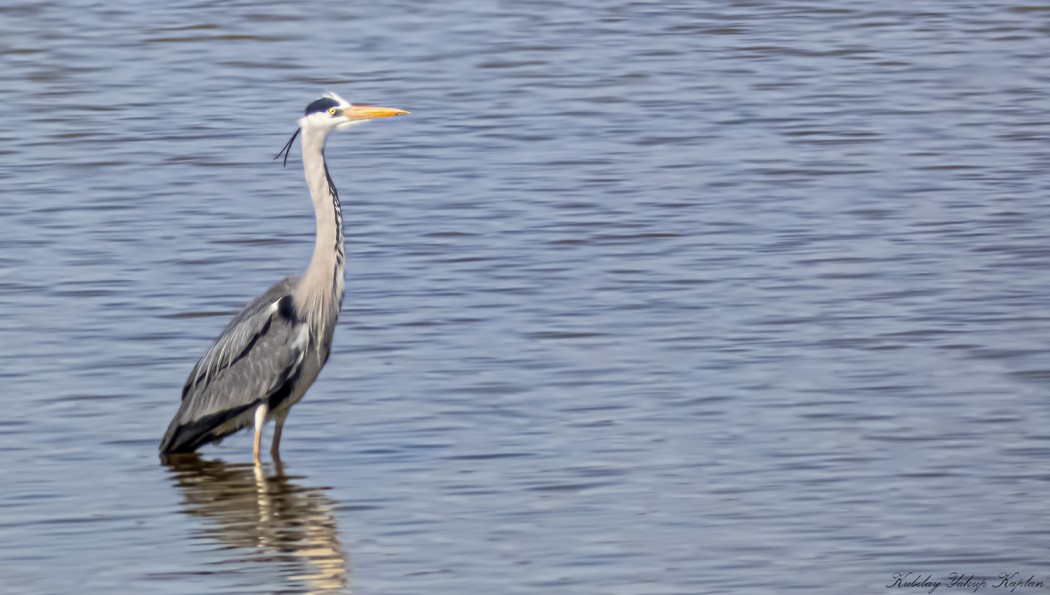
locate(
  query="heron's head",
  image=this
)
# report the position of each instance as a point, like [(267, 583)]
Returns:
[(332, 112)]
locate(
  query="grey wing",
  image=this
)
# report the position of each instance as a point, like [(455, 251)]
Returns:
[(257, 356)]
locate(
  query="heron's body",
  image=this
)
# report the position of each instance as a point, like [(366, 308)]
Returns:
[(267, 357)]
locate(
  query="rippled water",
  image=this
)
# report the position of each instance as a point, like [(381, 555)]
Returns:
[(644, 298)]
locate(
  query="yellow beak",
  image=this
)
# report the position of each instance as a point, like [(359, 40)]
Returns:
[(371, 112)]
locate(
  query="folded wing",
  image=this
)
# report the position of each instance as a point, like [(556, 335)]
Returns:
[(255, 360)]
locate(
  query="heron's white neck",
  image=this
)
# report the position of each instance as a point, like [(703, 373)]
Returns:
[(319, 294)]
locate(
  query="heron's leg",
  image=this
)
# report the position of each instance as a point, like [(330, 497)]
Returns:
[(260, 419), (275, 444)]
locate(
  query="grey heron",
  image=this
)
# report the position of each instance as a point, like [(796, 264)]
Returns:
[(272, 351)]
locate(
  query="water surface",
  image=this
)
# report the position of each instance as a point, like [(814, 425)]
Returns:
[(643, 298)]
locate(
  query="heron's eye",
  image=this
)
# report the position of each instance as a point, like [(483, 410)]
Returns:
[(332, 111)]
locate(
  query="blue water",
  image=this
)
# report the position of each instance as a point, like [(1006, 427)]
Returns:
[(642, 299)]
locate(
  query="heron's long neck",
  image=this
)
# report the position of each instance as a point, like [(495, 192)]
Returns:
[(319, 294)]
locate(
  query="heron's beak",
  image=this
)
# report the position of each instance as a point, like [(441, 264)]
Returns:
[(371, 112)]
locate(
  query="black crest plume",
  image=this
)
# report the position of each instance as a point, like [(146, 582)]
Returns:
[(287, 148)]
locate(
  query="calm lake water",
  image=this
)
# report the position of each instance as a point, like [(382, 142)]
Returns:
[(644, 298)]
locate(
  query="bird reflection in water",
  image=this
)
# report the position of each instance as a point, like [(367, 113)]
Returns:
[(287, 525)]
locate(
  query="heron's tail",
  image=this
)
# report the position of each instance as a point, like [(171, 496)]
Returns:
[(182, 438), (187, 435)]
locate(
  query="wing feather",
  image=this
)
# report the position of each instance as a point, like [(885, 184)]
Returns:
[(257, 355)]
